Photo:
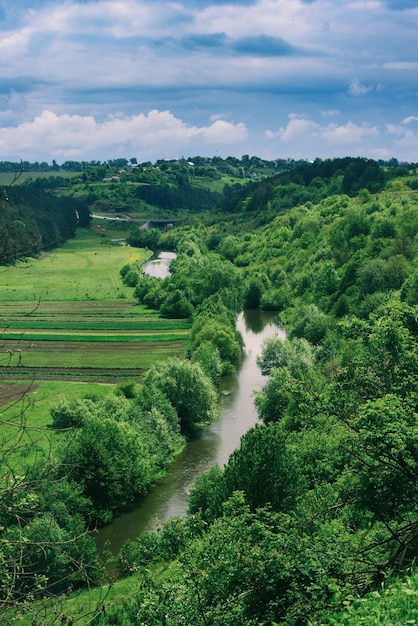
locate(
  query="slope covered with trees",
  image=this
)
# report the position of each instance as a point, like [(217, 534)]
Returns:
[(32, 220)]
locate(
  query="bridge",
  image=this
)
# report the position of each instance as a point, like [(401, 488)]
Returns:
[(162, 224)]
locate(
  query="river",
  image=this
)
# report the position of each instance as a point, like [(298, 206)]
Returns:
[(169, 496)]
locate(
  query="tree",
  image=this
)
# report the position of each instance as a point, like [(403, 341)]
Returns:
[(257, 285), (385, 458), (219, 277), (310, 323), (150, 238), (208, 357), (176, 306), (110, 460), (222, 336), (188, 389), (264, 468), (297, 355)]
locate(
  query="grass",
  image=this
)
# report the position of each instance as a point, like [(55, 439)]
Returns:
[(85, 268), (35, 399), (78, 608), (81, 607), (67, 357), (6, 178), (102, 336), (395, 604)]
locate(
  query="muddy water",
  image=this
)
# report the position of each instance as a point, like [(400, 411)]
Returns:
[(169, 496)]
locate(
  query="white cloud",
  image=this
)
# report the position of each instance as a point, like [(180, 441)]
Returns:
[(405, 140), (407, 145), (348, 134), (222, 132), (411, 118), (356, 89), (331, 113), (395, 129), (84, 60), (297, 126), (75, 136), (112, 18)]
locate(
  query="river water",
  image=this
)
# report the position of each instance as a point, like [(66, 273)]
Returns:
[(169, 496), (159, 267)]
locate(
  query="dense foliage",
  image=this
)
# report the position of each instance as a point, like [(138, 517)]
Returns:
[(184, 197), (116, 447), (44, 545)]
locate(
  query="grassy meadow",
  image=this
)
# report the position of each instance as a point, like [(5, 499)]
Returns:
[(84, 268), (8, 178)]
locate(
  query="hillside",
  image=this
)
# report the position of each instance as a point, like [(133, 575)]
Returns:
[(158, 189)]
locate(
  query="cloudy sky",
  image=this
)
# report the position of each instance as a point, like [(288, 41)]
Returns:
[(98, 79)]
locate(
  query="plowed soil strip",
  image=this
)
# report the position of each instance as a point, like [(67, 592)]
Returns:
[(12, 391)]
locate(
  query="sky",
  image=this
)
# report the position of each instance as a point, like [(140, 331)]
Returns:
[(165, 79)]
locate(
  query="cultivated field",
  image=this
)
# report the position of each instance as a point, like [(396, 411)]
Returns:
[(67, 316)]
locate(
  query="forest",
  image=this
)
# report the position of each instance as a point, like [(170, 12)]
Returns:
[(313, 520), (32, 220)]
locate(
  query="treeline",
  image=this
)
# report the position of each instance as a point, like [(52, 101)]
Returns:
[(226, 164), (198, 161), (32, 220), (312, 182), (199, 185)]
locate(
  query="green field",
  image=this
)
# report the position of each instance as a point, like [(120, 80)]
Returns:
[(84, 268), (68, 316), (7, 178)]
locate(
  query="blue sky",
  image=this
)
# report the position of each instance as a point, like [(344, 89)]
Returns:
[(98, 79)]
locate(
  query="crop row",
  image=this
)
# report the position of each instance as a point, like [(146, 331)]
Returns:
[(102, 337), (111, 324)]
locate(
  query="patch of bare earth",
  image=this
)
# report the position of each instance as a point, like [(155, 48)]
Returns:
[(10, 392)]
